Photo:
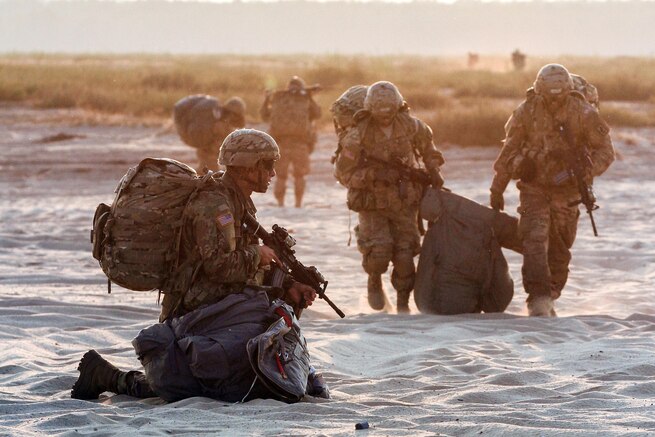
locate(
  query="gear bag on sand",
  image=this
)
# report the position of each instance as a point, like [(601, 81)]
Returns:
[(195, 117), (209, 351), (136, 239), (461, 268)]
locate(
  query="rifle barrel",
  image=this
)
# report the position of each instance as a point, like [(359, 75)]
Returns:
[(593, 222)]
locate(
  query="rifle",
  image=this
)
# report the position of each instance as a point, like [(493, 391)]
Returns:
[(307, 90), (406, 173), (281, 242), (578, 162)]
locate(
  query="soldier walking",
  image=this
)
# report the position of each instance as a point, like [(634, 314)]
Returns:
[(292, 113), (386, 202), (549, 127)]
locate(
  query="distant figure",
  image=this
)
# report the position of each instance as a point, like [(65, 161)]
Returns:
[(203, 123), (292, 113), (555, 144), (473, 59), (518, 60), (384, 138)]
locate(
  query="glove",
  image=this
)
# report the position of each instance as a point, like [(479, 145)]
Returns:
[(435, 178), (527, 170), (496, 201)]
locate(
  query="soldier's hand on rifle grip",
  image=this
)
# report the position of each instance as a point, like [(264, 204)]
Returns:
[(266, 255), (300, 295), (436, 179), (497, 201)]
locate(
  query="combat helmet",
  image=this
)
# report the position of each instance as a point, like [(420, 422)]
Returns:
[(383, 96), (553, 79), (246, 147), (296, 83), (235, 105)]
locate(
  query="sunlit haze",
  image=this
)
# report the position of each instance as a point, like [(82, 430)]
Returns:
[(426, 28)]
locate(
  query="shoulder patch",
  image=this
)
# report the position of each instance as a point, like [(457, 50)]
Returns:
[(224, 219)]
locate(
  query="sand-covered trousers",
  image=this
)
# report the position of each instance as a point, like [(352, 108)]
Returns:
[(547, 226), (293, 152), (385, 236)]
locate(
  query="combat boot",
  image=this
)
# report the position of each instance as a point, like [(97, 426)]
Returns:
[(376, 298), (541, 306), (97, 375), (299, 192), (280, 199), (403, 302)]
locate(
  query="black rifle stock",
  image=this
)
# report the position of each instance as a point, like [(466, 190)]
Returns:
[(405, 171), (579, 162), (281, 242)]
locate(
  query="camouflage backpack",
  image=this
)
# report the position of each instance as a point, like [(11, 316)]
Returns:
[(195, 117), (290, 115), (589, 91), (137, 239)]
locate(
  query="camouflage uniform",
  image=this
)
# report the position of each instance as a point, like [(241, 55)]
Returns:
[(213, 240), (548, 222), (296, 139), (388, 229)]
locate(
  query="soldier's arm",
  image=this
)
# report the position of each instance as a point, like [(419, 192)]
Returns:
[(348, 168), (601, 150), (214, 232), (423, 140), (509, 157)]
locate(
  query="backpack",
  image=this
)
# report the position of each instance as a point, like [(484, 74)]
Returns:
[(461, 268), (195, 117), (136, 240), (589, 91), (290, 115)]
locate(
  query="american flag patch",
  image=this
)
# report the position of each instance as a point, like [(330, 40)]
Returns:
[(225, 219)]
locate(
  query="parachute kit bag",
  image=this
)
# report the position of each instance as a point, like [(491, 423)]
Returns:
[(195, 117), (136, 240), (461, 267)]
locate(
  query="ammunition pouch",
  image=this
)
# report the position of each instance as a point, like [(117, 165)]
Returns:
[(359, 199)]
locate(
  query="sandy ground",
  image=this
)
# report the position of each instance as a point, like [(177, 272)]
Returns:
[(589, 371)]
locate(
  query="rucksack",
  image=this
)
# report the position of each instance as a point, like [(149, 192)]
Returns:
[(461, 267), (589, 91), (290, 115), (195, 117), (136, 240)]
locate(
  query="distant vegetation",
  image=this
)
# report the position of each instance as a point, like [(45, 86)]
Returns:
[(463, 106)]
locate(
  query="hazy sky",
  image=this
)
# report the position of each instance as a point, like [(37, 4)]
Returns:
[(425, 28)]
